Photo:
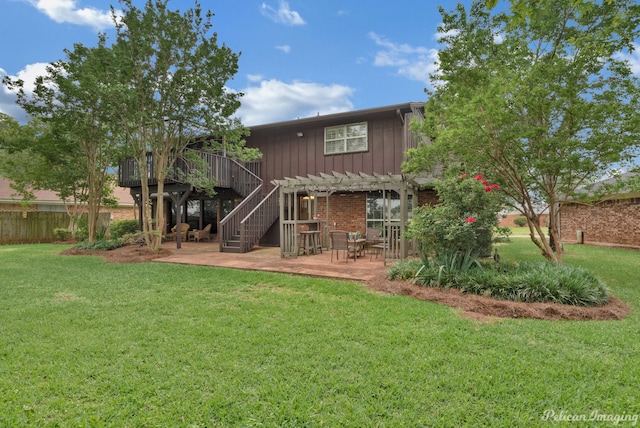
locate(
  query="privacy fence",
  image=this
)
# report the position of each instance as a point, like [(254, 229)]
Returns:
[(33, 227)]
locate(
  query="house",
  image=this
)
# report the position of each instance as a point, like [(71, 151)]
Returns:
[(48, 201), (612, 220), (338, 171), (36, 220)]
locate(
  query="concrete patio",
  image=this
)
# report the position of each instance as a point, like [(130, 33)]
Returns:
[(268, 259)]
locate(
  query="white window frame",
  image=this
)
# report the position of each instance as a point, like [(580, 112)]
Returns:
[(341, 141)]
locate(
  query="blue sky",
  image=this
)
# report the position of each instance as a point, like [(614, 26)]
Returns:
[(298, 57)]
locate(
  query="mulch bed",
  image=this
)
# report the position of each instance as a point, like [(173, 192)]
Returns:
[(483, 308), (479, 308)]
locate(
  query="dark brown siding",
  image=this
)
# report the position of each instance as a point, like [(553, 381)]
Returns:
[(287, 155)]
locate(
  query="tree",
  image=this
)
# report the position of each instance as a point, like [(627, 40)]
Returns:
[(36, 159), (539, 97), (458, 230), (73, 101), (172, 89)]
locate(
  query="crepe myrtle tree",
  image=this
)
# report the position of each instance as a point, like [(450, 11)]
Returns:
[(460, 227), (73, 141), (540, 96), (172, 89)]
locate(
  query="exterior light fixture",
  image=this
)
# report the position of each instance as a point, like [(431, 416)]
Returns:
[(299, 134)]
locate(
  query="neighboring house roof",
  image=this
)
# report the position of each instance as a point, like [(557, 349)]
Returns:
[(50, 198), (625, 192)]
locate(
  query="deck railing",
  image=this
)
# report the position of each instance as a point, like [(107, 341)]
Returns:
[(228, 172), (243, 227)]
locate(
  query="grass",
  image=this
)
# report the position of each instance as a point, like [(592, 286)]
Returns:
[(522, 231), (84, 343)]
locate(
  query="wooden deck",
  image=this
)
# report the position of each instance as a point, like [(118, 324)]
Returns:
[(268, 259)]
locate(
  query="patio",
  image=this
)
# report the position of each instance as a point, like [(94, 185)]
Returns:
[(268, 259)]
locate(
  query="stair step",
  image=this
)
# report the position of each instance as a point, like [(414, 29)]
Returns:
[(227, 249)]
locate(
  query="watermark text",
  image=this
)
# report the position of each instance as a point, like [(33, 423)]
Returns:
[(594, 416)]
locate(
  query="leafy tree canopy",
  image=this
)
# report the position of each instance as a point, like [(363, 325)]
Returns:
[(539, 97)]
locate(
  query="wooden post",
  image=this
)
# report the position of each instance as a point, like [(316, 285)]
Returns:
[(404, 218), (281, 208)]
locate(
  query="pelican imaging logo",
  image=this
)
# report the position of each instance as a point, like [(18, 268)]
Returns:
[(594, 416)]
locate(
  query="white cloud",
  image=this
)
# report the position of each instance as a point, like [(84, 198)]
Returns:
[(284, 48), (8, 98), (282, 15), (254, 77), (275, 101), (413, 62), (66, 11), (633, 59)]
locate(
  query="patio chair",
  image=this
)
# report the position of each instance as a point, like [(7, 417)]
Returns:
[(340, 242), (372, 237), (203, 234), (184, 227)]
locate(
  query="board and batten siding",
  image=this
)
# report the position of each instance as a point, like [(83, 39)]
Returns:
[(287, 155)]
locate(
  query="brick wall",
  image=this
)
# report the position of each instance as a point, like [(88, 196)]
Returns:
[(349, 211), (18, 207), (122, 213), (615, 222)]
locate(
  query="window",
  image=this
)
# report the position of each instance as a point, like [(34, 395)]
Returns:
[(345, 138), (377, 207)]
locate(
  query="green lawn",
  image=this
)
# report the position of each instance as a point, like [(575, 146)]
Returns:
[(85, 343), (523, 231)]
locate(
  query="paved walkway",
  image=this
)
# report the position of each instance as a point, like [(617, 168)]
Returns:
[(268, 259)]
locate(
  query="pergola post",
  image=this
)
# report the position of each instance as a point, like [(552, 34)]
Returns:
[(282, 237), (404, 218)]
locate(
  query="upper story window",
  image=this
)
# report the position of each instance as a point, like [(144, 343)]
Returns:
[(345, 138)]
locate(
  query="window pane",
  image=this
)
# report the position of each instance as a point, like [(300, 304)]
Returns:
[(357, 130), (356, 144), (335, 133), (334, 146)]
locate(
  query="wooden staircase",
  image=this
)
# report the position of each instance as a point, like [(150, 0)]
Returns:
[(243, 227)]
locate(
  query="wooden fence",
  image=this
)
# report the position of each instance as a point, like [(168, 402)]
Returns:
[(33, 227)]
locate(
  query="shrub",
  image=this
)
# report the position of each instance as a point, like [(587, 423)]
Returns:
[(501, 234), (526, 282), (62, 234), (101, 245), (119, 228), (520, 221), (461, 225), (404, 270)]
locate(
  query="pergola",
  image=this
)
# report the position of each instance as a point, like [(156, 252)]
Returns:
[(325, 185)]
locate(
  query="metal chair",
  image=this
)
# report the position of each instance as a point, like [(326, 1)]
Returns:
[(340, 242), (372, 237)]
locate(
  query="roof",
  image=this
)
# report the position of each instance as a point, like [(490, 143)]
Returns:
[(353, 115), (51, 198), (604, 187)]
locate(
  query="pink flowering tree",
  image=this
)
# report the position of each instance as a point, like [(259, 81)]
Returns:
[(460, 226)]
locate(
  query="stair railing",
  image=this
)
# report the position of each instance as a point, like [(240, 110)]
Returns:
[(259, 220)]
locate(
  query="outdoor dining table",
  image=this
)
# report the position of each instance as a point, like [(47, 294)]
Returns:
[(359, 243)]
